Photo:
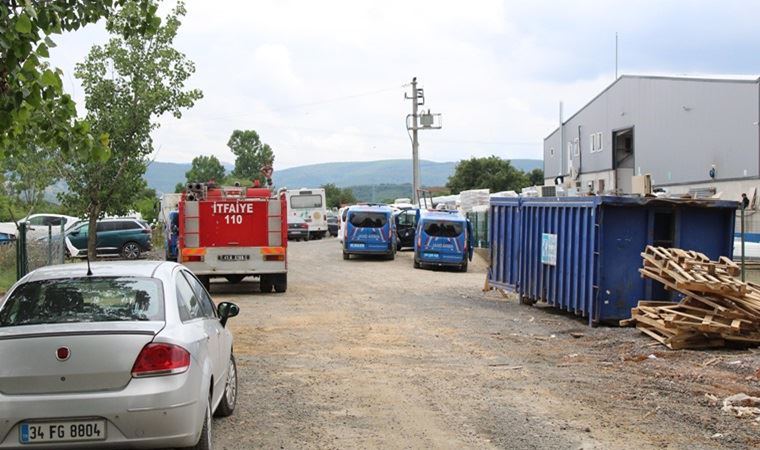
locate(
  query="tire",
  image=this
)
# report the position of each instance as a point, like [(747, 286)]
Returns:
[(130, 250), (265, 284), (463, 267), (346, 256), (229, 396), (234, 279), (206, 282), (391, 257), (416, 264), (204, 442), (281, 283)]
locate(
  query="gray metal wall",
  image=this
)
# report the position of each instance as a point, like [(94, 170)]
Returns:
[(681, 128)]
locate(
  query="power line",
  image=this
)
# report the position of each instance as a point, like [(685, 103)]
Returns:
[(307, 104)]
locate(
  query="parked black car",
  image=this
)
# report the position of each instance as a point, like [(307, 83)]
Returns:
[(298, 229), (333, 225)]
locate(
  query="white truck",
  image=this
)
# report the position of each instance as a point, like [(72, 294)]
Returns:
[(311, 206)]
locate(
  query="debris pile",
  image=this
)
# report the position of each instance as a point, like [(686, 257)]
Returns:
[(742, 405), (717, 308)]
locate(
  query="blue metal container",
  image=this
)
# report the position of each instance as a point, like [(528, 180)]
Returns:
[(582, 254)]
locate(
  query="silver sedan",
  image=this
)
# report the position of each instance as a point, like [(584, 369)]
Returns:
[(135, 355)]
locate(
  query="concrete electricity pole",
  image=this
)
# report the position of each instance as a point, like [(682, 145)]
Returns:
[(423, 121)]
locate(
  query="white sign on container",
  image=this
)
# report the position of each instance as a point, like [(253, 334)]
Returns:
[(549, 249)]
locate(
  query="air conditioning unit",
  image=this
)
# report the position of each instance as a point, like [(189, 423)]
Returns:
[(547, 191)]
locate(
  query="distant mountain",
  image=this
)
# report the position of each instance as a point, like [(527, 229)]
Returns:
[(391, 171), (163, 176)]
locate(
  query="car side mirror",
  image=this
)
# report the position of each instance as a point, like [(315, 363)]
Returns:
[(227, 310), (74, 233)]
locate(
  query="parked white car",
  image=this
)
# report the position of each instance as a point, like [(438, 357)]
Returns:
[(134, 355), (37, 225)]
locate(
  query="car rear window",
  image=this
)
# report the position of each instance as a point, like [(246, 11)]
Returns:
[(92, 299), (306, 201), (442, 228), (368, 219)]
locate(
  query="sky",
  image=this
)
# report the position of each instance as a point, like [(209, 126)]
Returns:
[(324, 81)]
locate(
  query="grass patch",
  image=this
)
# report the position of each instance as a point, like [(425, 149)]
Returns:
[(7, 267)]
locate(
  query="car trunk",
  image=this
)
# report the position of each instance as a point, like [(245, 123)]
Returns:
[(101, 356)]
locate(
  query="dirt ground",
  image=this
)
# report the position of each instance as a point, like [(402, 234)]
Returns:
[(375, 354)]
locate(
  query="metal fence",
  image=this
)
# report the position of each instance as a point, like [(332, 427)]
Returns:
[(37, 247), (479, 222)]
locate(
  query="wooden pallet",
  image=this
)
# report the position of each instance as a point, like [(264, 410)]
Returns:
[(717, 307)]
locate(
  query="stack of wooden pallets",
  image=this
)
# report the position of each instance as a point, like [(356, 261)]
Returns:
[(717, 308)]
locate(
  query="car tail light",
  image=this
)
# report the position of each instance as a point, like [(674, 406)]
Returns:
[(274, 258), (161, 359), (192, 259)]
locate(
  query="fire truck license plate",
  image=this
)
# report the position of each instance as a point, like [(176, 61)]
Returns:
[(234, 257)]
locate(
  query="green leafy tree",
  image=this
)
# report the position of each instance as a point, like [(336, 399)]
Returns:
[(536, 177), (31, 92), (250, 154), (491, 173), (337, 197), (129, 83), (27, 177), (205, 168), (146, 204)]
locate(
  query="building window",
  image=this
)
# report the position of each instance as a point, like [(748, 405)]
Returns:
[(595, 142), (551, 152)]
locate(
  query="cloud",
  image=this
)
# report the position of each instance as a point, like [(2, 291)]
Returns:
[(322, 81)]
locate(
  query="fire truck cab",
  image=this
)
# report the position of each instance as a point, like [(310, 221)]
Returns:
[(234, 232)]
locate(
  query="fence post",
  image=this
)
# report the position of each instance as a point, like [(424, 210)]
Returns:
[(50, 245), (485, 225), (21, 254), (62, 245)]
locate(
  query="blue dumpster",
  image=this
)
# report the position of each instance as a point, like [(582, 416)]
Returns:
[(582, 254)]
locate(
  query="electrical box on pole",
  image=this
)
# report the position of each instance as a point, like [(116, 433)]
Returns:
[(415, 122)]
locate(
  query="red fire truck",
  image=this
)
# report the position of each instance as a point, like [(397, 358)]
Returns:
[(234, 232)]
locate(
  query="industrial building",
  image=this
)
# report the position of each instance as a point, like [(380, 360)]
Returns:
[(690, 134)]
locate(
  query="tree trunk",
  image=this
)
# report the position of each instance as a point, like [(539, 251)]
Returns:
[(93, 212)]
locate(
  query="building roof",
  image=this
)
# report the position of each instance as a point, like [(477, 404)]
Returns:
[(684, 77)]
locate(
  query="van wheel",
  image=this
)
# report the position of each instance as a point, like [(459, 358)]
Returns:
[(265, 284), (416, 264), (206, 282), (346, 256), (281, 283), (130, 250), (463, 267)]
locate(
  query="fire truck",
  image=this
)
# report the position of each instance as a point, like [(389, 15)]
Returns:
[(234, 232)]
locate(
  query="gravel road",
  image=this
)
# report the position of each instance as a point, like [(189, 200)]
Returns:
[(375, 354)]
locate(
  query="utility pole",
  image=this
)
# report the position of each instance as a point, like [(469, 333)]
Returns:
[(424, 121)]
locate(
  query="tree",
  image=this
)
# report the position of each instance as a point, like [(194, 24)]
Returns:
[(250, 154), (129, 82), (145, 204), (205, 168), (337, 197), (27, 177), (31, 92), (491, 173), (536, 177)]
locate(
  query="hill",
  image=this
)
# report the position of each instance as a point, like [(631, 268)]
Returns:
[(163, 176)]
